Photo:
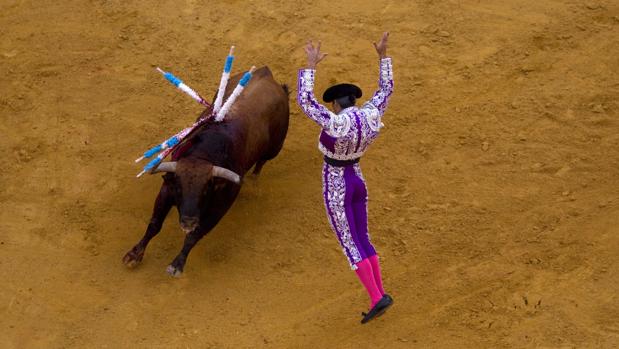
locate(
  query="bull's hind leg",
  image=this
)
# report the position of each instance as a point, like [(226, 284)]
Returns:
[(274, 151), (258, 167), (163, 204)]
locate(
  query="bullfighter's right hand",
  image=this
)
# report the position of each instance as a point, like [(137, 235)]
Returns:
[(381, 46)]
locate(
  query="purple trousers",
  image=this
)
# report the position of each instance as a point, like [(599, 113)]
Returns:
[(346, 200)]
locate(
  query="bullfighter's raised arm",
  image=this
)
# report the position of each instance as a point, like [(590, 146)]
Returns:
[(307, 101), (305, 91), (380, 99)]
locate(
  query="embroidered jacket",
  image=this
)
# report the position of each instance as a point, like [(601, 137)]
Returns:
[(347, 135)]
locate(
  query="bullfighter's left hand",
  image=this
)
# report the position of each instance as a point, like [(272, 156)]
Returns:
[(314, 56)]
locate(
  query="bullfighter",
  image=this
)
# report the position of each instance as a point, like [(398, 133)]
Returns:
[(346, 134)]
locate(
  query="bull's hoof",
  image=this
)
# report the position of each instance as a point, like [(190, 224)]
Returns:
[(174, 271), (133, 258)]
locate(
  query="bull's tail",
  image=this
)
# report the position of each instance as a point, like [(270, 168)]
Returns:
[(286, 89)]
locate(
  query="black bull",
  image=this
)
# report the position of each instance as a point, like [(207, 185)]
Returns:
[(204, 179)]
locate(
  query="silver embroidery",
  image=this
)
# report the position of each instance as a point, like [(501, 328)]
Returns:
[(335, 125), (368, 134), (345, 143), (386, 70), (344, 147), (357, 169), (385, 84), (341, 145), (373, 117), (339, 125), (338, 156), (318, 112), (335, 191)]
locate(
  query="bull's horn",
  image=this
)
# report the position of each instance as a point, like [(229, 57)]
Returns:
[(226, 174), (168, 166)]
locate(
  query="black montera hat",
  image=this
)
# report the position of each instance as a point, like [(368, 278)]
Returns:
[(341, 90)]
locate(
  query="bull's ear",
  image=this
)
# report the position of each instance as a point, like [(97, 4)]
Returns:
[(168, 166), (226, 174)]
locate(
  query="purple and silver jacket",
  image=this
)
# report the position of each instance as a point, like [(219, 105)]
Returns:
[(347, 135)]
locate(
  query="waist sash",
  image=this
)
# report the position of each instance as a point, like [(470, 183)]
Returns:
[(341, 163)]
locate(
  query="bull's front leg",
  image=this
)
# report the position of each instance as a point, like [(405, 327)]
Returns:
[(178, 264), (220, 203), (163, 204), (191, 239)]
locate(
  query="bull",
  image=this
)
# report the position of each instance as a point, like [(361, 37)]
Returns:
[(205, 176)]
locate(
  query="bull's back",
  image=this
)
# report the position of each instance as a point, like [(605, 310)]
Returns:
[(263, 97), (262, 111)]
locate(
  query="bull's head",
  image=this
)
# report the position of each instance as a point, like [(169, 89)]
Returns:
[(193, 178)]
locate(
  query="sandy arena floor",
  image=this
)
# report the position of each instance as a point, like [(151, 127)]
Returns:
[(494, 187)]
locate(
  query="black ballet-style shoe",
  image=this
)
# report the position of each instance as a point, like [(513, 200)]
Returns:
[(379, 309), (390, 304)]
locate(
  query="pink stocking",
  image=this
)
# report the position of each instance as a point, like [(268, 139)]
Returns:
[(366, 276), (377, 277)]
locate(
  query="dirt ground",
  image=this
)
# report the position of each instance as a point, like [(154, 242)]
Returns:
[(494, 188)]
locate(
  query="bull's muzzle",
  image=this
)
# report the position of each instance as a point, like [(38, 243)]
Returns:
[(188, 224)]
